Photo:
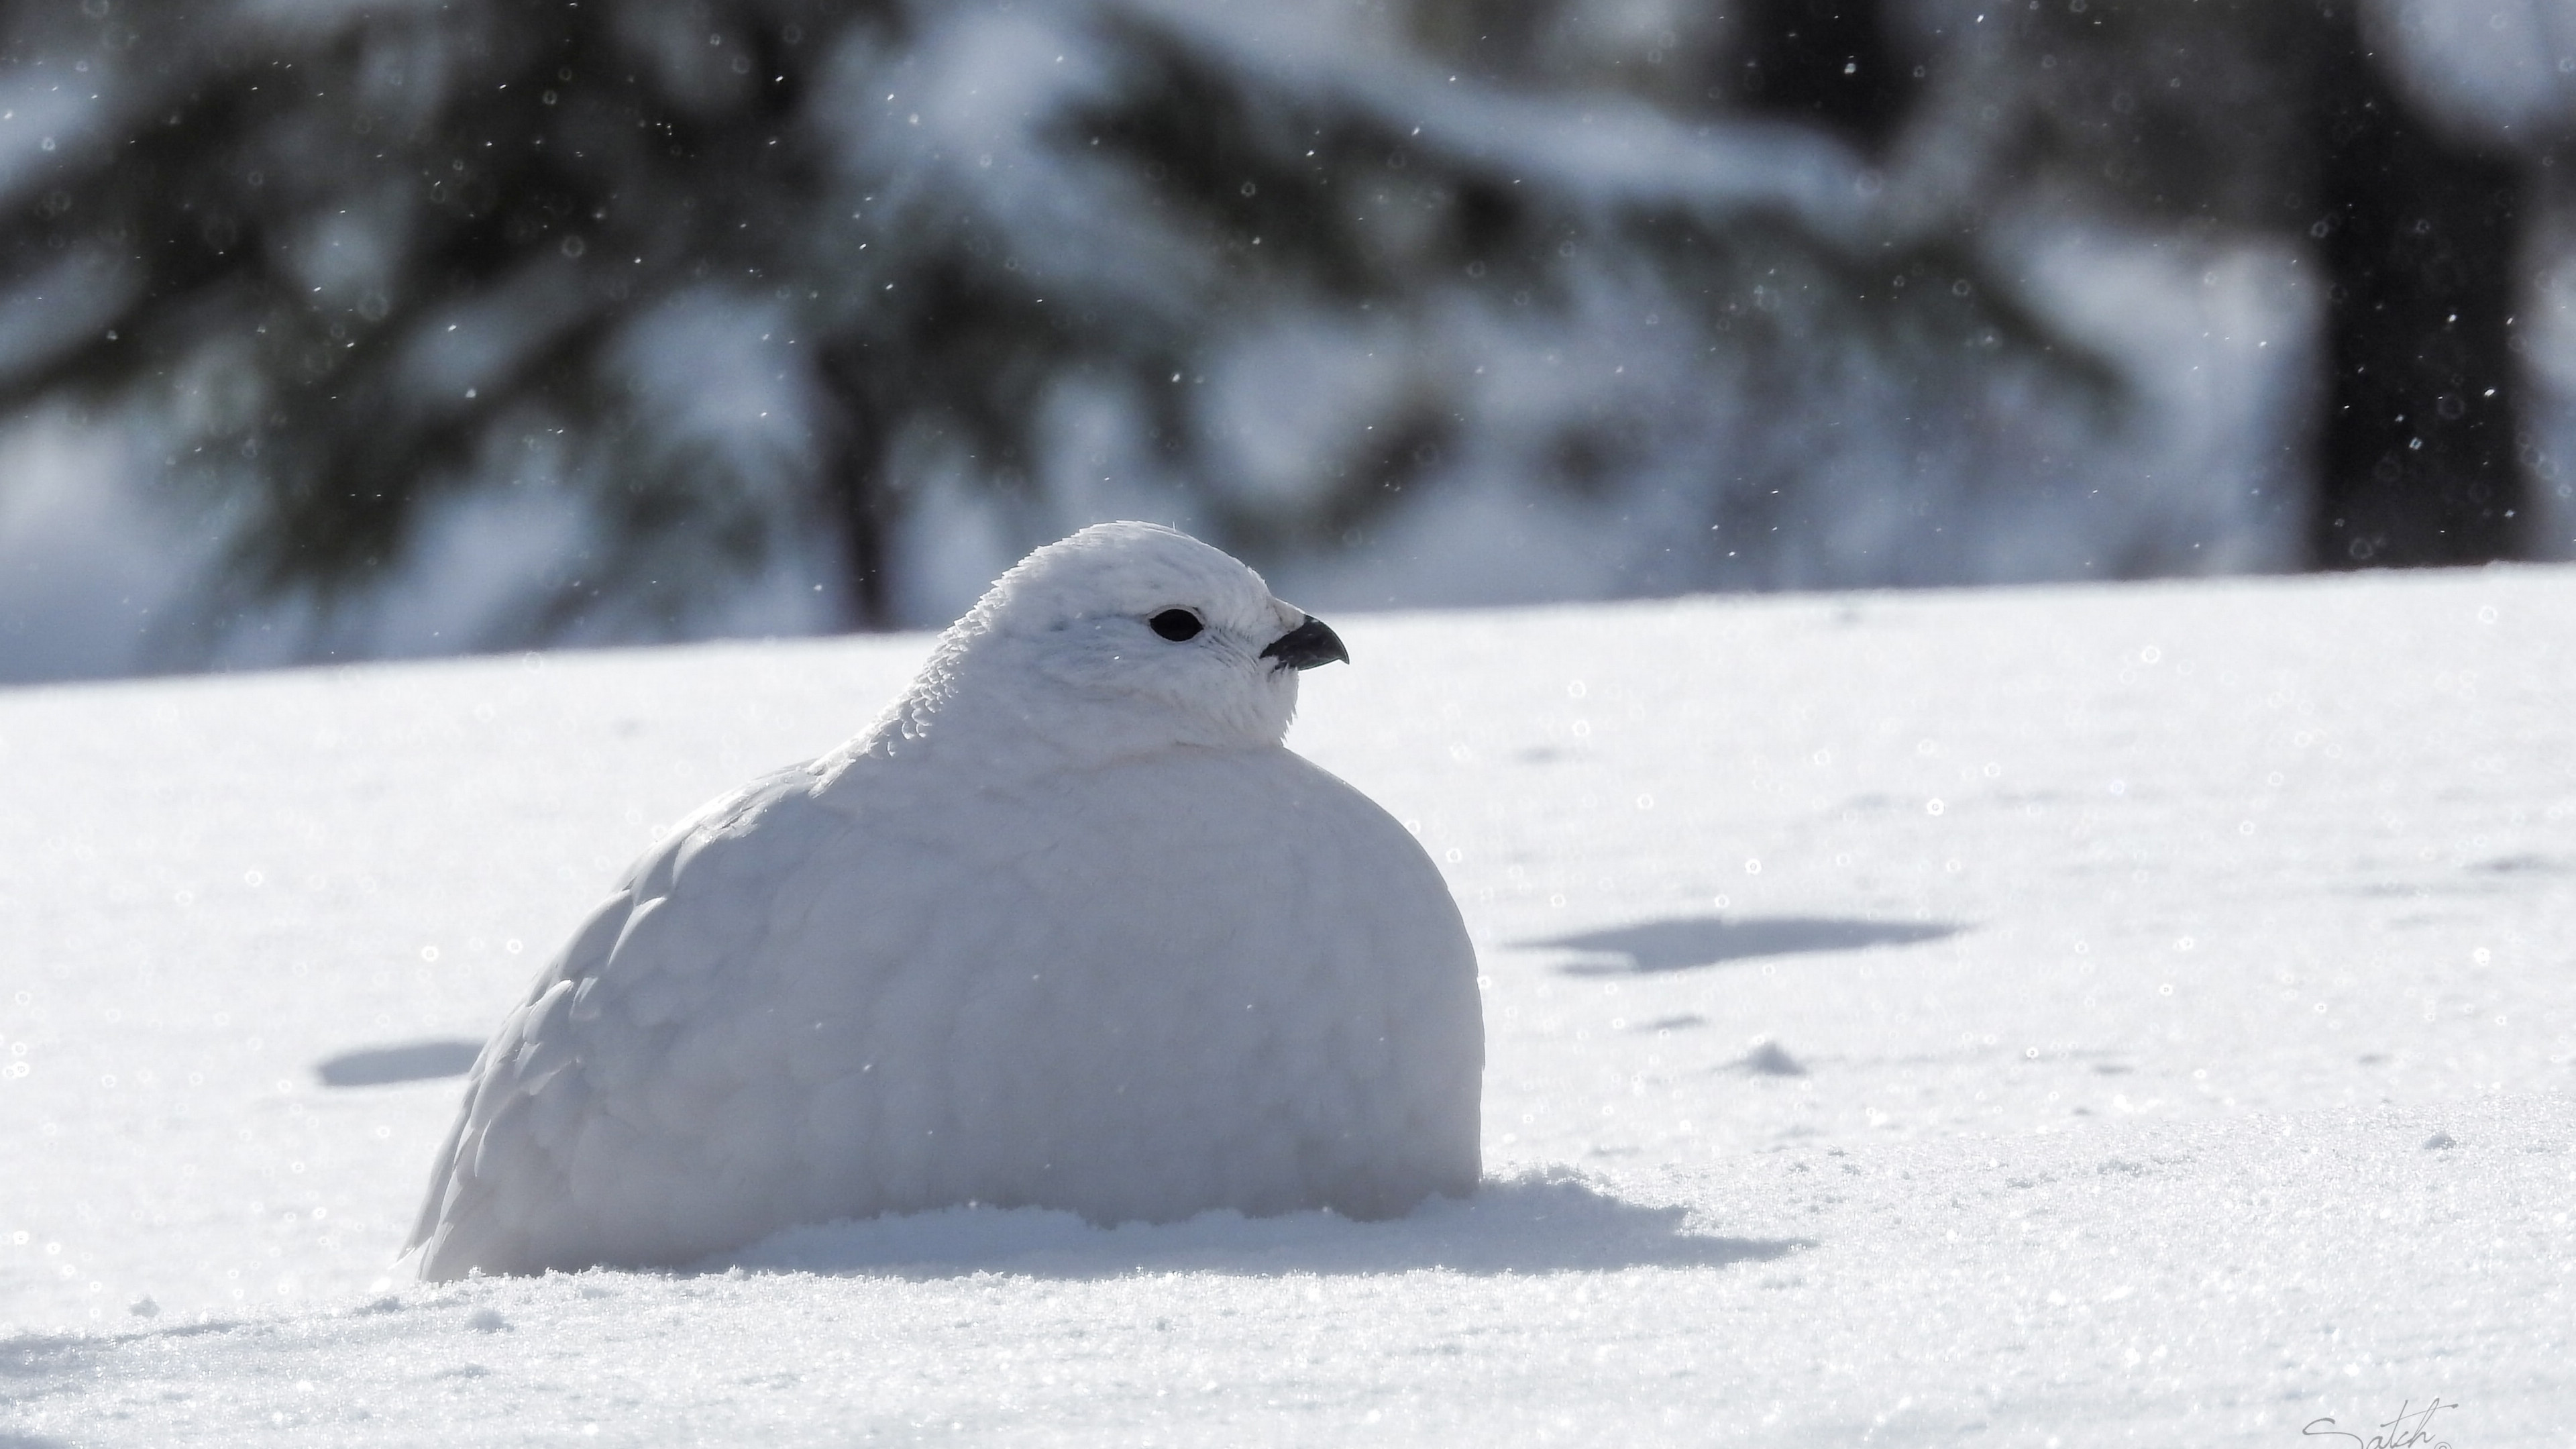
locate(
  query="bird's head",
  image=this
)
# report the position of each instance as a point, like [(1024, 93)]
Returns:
[(1122, 639)]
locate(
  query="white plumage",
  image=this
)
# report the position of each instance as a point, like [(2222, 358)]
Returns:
[(1067, 927)]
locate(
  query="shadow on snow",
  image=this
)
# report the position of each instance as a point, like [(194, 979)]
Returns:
[(418, 1061), (1682, 942), (1533, 1223)]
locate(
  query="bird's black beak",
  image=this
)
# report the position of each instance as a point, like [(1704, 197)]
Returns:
[(1307, 645)]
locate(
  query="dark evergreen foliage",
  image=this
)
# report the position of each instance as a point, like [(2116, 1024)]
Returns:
[(356, 260), (509, 183), (352, 261)]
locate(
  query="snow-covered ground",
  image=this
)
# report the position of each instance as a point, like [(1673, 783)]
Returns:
[(2056, 1016)]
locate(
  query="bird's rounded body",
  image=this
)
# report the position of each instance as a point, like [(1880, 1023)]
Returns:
[(964, 965)]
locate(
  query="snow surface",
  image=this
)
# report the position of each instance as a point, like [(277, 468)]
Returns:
[(2077, 1015)]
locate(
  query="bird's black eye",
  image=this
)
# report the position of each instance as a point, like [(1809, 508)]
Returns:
[(1176, 624)]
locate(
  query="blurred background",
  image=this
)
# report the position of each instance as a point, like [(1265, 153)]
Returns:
[(355, 328)]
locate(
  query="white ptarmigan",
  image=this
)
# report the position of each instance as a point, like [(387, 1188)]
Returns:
[(1067, 927)]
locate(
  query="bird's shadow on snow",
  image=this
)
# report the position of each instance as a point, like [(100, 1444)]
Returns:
[(1532, 1223), (1682, 942), (418, 1061)]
